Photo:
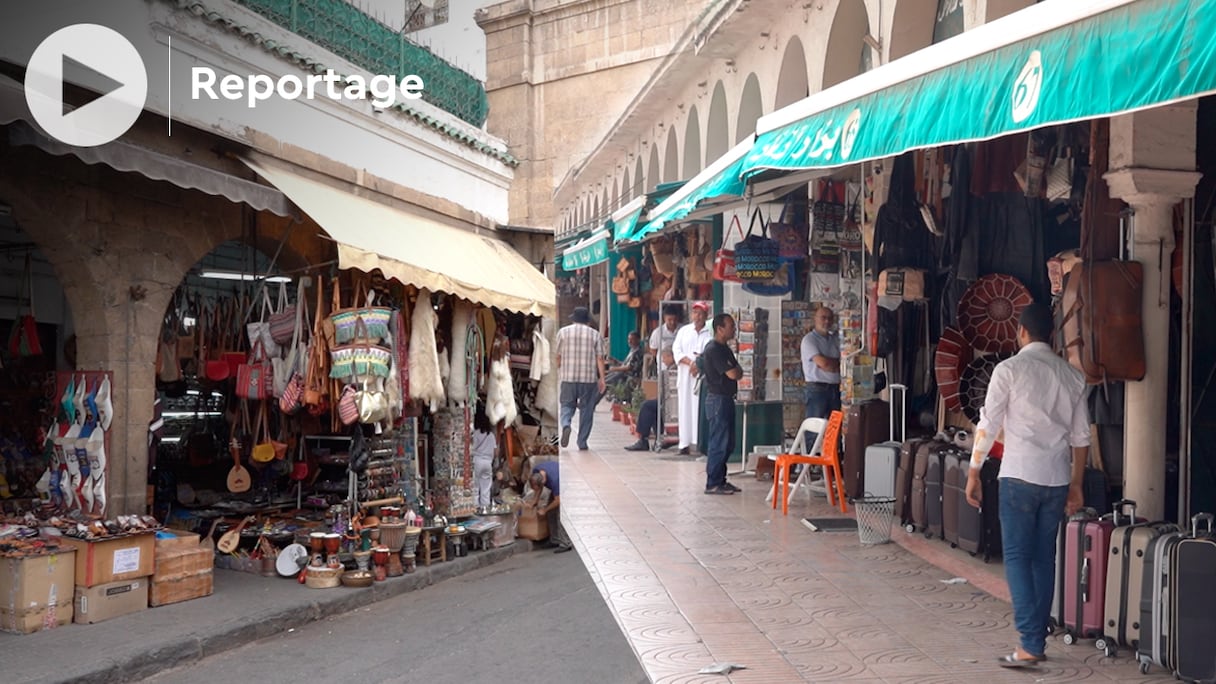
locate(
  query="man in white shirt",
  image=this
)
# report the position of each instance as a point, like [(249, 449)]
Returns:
[(689, 343), (663, 337), (1039, 400)]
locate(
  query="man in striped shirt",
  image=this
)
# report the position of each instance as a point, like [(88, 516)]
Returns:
[(580, 368)]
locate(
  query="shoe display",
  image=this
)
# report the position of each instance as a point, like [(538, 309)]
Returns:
[(566, 436), (640, 445)]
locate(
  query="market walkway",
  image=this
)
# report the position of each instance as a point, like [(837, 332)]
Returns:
[(696, 579)]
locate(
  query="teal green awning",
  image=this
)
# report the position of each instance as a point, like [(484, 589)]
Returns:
[(1050, 63), (625, 220), (589, 252), (720, 179)]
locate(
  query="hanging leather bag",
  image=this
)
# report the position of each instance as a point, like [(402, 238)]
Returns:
[(1101, 332), (263, 448), (23, 339)]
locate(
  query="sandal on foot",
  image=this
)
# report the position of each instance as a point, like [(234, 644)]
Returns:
[(1012, 660)]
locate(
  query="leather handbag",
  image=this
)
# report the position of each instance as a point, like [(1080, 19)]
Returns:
[(724, 262), (348, 407), (373, 403), (1101, 330), (263, 449), (757, 256), (316, 370), (282, 322)]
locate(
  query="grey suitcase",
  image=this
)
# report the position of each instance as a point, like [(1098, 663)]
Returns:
[(1125, 576), (1193, 613), (1155, 642), (882, 459), (934, 474), (954, 487)]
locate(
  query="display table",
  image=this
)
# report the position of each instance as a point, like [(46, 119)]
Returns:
[(433, 545)]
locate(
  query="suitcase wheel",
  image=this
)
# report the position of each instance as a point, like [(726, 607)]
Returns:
[(1143, 667), (910, 528), (1105, 646), (1069, 639), (953, 545)]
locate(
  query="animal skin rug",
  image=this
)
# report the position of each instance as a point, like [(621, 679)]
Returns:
[(500, 393), (547, 391), (426, 382), (458, 381)]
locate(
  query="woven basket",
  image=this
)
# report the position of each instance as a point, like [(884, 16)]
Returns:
[(323, 578)]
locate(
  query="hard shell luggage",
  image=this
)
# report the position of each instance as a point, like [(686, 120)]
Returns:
[(868, 422), (882, 459), (990, 511), (1101, 333), (1079, 603), (1125, 576), (1193, 623), (954, 494), (934, 482), (903, 479), (1155, 644), (920, 470)]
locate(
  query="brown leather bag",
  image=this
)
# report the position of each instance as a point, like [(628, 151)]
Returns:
[(1101, 333)]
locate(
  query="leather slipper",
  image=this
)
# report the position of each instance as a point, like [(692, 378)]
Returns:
[(1012, 660)]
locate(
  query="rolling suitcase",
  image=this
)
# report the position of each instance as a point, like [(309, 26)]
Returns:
[(934, 480), (920, 469), (1155, 636), (1125, 576), (954, 493), (867, 423), (903, 480), (990, 511), (1193, 613), (1079, 602), (882, 459)]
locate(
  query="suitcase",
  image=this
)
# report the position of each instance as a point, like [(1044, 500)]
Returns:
[(868, 423), (1101, 332), (1079, 602), (1125, 577), (1193, 613), (955, 464), (919, 518), (882, 459), (1154, 647), (990, 512), (903, 480), (934, 474)]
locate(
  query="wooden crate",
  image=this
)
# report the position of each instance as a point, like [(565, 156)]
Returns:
[(163, 592), (183, 561)]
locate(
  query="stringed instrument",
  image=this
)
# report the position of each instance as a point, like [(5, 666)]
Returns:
[(232, 538), (239, 479)]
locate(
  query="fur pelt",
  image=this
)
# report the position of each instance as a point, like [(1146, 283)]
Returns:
[(426, 381), (547, 390), (500, 393), (458, 381)]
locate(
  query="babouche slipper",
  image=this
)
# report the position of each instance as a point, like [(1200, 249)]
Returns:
[(1012, 660)]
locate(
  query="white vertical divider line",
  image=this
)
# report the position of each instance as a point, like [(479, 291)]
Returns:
[(169, 95)]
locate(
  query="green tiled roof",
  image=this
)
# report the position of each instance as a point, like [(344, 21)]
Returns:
[(311, 64)]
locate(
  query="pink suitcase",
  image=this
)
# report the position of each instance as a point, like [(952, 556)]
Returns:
[(1079, 604)]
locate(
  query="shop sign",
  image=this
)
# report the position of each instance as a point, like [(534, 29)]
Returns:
[(591, 252), (949, 21)]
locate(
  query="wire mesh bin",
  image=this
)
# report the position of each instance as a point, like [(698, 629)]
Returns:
[(875, 515)]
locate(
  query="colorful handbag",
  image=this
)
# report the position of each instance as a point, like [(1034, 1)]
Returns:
[(791, 236), (292, 399), (348, 407), (263, 448), (255, 377), (282, 323), (757, 256), (361, 358), (346, 322), (724, 263), (259, 330)]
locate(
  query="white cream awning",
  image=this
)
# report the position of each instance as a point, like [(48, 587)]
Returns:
[(417, 250)]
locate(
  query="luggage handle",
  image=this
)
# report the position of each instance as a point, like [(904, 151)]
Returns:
[(903, 407), (1120, 506), (1196, 519)]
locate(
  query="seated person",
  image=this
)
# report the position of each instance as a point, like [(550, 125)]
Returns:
[(648, 421), (630, 370)]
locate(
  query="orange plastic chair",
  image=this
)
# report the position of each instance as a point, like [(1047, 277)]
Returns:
[(828, 459)]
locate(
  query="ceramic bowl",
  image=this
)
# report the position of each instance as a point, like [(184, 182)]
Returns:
[(357, 578)]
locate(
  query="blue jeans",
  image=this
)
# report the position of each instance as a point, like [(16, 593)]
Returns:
[(648, 418), (821, 401), (1030, 521), (720, 419), (582, 396)]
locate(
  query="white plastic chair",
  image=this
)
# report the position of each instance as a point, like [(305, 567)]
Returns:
[(816, 425)]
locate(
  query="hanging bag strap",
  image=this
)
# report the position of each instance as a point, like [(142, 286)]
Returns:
[(735, 225)]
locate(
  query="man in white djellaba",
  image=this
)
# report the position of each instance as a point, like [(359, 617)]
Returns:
[(690, 342)]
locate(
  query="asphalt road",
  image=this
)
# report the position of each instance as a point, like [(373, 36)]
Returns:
[(535, 618)]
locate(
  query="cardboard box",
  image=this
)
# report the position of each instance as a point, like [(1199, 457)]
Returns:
[(162, 592), (36, 592), (114, 560), (111, 600)]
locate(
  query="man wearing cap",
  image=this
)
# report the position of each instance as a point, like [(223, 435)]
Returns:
[(580, 368), (689, 343)]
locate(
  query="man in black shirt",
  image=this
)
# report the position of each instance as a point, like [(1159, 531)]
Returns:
[(720, 374)]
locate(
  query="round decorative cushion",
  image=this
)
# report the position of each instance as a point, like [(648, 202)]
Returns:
[(988, 313), (952, 356), (973, 386)]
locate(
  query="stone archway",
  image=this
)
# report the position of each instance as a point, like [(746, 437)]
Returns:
[(639, 180), (671, 157), (911, 27), (693, 161), (653, 174), (844, 53), (751, 108), (792, 79), (626, 188), (717, 128)]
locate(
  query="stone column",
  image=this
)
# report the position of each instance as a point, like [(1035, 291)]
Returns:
[(1152, 157)]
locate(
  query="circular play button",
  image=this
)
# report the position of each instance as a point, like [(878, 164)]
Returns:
[(95, 58)]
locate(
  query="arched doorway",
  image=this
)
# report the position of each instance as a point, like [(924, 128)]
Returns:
[(792, 79), (717, 129), (911, 27), (671, 157), (751, 108), (692, 144), (846, 48)]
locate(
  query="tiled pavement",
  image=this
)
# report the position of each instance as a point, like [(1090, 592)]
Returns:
[(696, 579)]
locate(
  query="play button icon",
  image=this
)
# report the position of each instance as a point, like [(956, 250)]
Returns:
[(98, 59)]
